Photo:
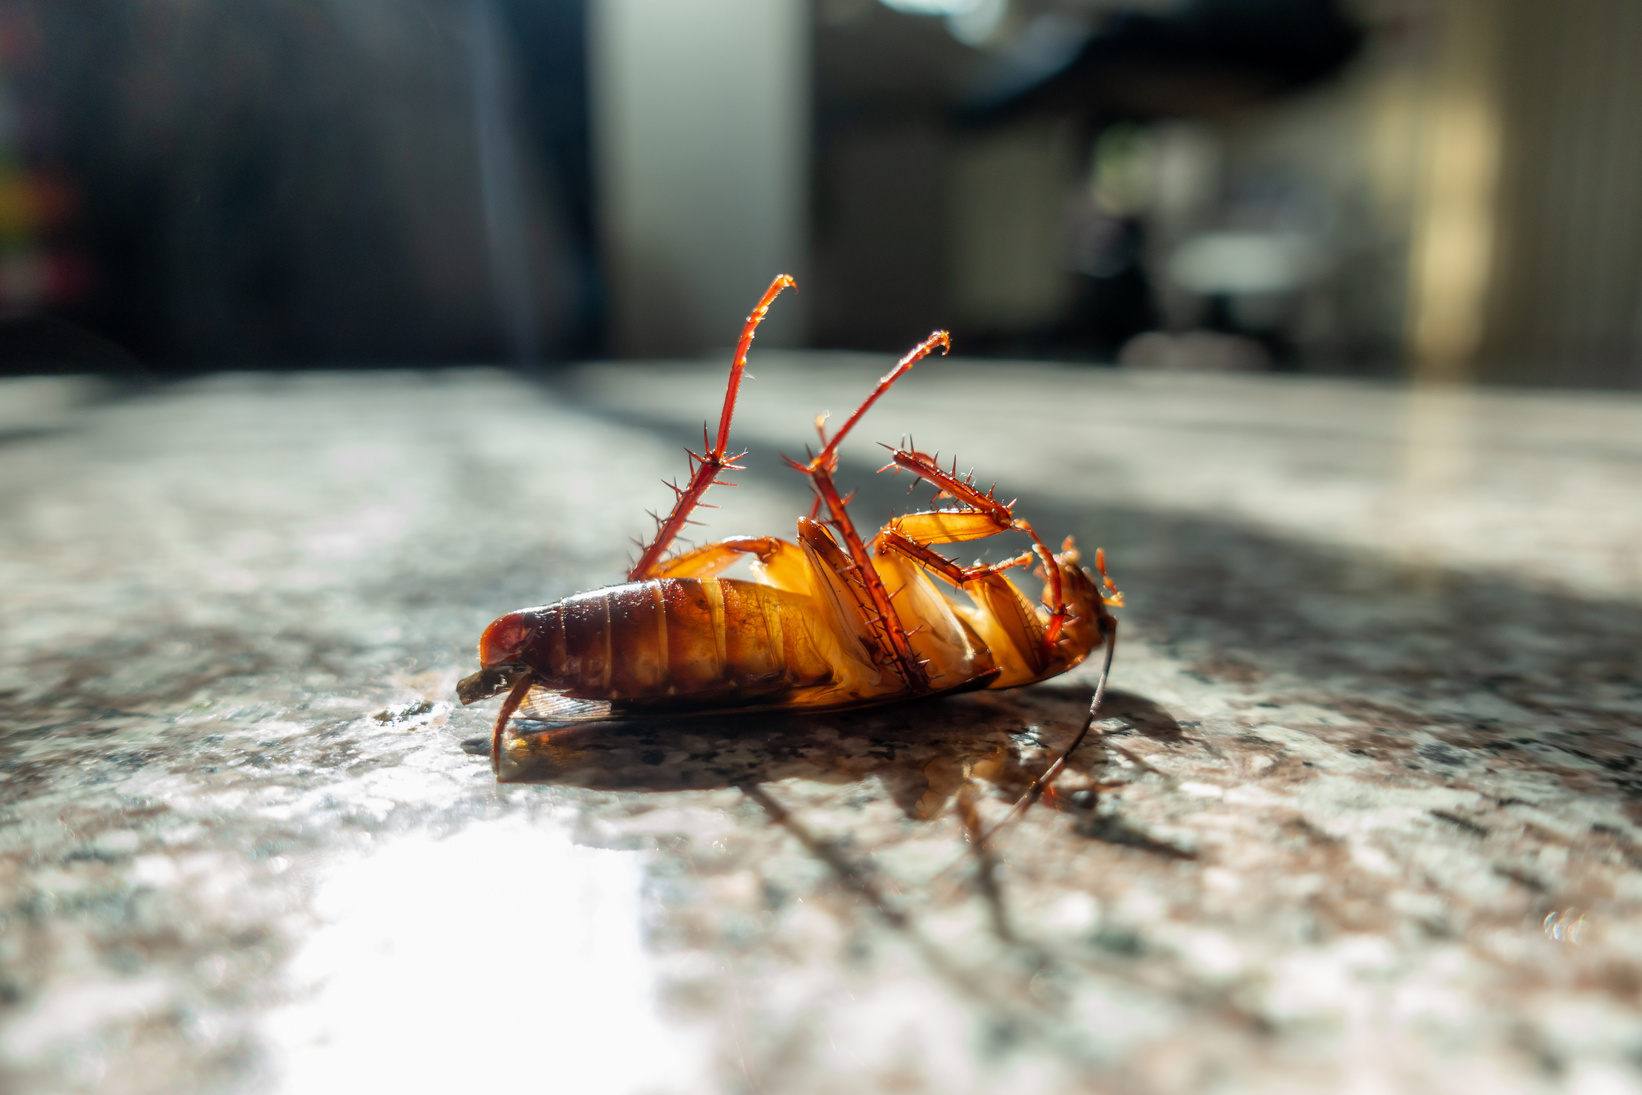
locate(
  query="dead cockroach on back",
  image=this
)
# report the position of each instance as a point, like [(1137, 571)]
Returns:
[(823, 624)]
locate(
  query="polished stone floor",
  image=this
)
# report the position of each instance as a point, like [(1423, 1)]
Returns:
[(1365, 813)]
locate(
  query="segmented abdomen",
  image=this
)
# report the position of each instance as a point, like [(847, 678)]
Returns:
[(676, 637)]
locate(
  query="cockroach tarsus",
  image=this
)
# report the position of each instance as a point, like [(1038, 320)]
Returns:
[(824, 623)]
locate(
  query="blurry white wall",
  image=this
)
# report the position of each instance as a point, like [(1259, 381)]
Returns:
[(701, 134)]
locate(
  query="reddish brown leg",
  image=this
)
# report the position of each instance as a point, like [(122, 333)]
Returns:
[(715, 458), (892, 635), (965, 493), (511, 704), (820, 468), (909, 537), (902, 367), (891, 540)]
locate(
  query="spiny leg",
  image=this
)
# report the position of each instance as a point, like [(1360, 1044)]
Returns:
[(984, 582), (984, 515), (886, 625), (892, 539), (1007, 623), (987, 512), (916, 354), (820, 468), (715, 458)]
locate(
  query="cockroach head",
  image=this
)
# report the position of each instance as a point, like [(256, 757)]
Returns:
[(489, 681), (501, 652), (1079, 586)]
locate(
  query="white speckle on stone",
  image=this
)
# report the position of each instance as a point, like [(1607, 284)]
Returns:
[(183, 834), (1211, 952), (154, 870), (1249, 794), (117, 841), (1074, 914), (1601, 1078), (1370, 858), (78, 1010)]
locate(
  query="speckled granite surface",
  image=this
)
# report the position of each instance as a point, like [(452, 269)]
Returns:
[(1363, 815)]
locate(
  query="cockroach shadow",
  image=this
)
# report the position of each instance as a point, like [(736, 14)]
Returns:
[(1140, 715), (920, 752)]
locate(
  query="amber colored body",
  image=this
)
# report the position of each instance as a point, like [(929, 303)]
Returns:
[(712, 640), (824, 622), (703, 643)]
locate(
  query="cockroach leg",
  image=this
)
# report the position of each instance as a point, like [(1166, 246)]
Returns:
[(820, 469), (710, 559), (893, 636), (902, 367), (715, 458), (776, 562), (514, 698), (1109, 593), (985, 505), (892, 539)]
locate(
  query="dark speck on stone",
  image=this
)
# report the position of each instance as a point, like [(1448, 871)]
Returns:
[(1441, 754), (1460, 822), (1117, 941), (399, 712)]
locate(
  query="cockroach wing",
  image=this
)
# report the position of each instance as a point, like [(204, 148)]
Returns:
[(546, 705)]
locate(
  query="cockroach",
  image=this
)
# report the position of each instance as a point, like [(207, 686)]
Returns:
[(824, 623)]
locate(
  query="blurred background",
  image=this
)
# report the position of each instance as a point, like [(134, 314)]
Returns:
[(1374, 758), (1443, 189)]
